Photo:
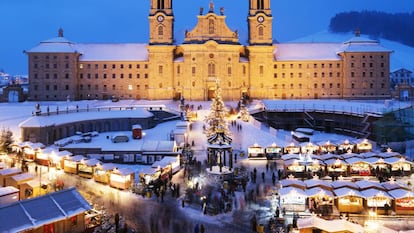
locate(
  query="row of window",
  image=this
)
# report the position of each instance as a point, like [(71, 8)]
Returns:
[(323, 85), (371, 65), (371, 74), (48, 66), (308, 66), (370, 56), (55, 87), (48, 57), (315, 75), (47, 76), (105, 76), (114, 66)]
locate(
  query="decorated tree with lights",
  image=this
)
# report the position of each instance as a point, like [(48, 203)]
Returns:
[(217, 127)]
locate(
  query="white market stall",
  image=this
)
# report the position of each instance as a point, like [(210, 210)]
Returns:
[(349, 200), (292, 199)]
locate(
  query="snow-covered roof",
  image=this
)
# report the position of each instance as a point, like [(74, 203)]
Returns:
[(373, 193), (307, 51), (344, 183), (23, 176), (60, 119), (366, 184), (345, 191), (54, 207), (286, 191), (9, 171), (361, 44), (54, 45), (8, 190), (94, 52), (164, 162), (401, 193), (124, 171), (91, 162), (340, 225), (318, 191), (292, 182), (311, 183), (113, 52)]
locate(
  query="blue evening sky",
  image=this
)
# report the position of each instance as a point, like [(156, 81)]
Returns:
[(24, 23)]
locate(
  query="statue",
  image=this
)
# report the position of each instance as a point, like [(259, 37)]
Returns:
[(201, 10), (221, 10), (211, 6)]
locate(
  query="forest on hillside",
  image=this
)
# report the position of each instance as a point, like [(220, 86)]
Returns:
[(397, 27)]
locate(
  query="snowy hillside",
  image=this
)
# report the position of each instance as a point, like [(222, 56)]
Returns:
[(402, 57)]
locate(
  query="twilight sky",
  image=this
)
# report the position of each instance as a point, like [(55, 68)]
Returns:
[(24, 23)]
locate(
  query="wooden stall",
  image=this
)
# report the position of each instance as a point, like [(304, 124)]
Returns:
[(71, 164), (8, 195), (309, 148), (18, 179), (378, 200), (326, 147), (30, 189), (358, 166), (57, 159), (292, 199), (349, 200), (403, 201), (292, 148), (320, 200), (8, 172), (363, 145), (103, 172), (273, 151), (122, 178), (256, 152), (86, 168)]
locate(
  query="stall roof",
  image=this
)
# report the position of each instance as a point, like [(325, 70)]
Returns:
[(344, 183), (342, 192), (108, 166), (352, 155), (164, 162), (7, 190), (340, 225), (373, 193), (23, 176), (54, 207), (8, 171), (76, 158), (401, 193), (330, 156), (333, 161), (318, 191), (366, 184), (391, 185), (293, 182), (124, 171), (64, 153), (311, 183), (91, 162), (286, 191)]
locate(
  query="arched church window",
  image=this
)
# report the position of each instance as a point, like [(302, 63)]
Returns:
[(160, 31), (211, 26)]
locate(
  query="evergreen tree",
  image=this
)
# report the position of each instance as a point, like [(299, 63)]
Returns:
[(6, 139), (216, 122)]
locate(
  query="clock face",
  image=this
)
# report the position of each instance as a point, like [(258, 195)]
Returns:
[(260, 19), (160, 18)]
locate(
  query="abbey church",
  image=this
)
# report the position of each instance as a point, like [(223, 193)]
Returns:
[(60, 69)]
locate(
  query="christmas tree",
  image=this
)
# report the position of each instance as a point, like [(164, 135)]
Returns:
[(217, 130)]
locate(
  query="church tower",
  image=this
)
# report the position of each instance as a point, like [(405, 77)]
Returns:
[(260, 22), (161, 20), (260, 48)]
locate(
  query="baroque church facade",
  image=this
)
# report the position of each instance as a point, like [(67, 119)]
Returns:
[(60, 69)]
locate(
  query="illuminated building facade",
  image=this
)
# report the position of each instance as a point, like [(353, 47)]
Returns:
[(356, 69)]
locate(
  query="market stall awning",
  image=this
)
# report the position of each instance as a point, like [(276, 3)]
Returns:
[(292, 182), (366, 184), (318, 191), (292, 191), (343, 192), (401, 193), (374, 193)]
